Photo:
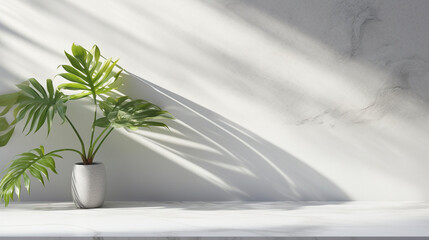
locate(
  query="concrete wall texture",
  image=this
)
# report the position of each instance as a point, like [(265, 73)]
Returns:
[(274, 100)]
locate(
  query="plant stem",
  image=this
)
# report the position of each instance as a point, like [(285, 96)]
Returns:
[(104, 138), (78, 135), (66, 149), (101, 134), (90, 153)]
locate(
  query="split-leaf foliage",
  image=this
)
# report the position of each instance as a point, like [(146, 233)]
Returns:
[(88, 75)]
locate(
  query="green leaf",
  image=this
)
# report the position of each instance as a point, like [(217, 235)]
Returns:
[(103, 90), (86, 69), (39, 109), (38, 87), (3, 124), (26, 182), (123, 112), (74, 62), (5, 110), (42, 118), (107, 75), (49, 163), (79, 53), (18, 188), (41, 169), (96, 53), (4, 139), (102, 70), (35, 118), (28, 91), (37, 175), (73, 86), (120, 100), (80, 95), (34, 162), (61, 109), (73, 71), (72, 78), (50, 117), (50, 88), (95, 67), (15, 113), (102, 122), (22, 110), (105, 107), (88, 60), (9, 99)]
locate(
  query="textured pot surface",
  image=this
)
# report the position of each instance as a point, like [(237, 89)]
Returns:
[(88, 185)]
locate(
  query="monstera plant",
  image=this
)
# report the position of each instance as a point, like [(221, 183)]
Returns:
[(88, 75)]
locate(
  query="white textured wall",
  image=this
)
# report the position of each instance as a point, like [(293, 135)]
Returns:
[(275, 100)]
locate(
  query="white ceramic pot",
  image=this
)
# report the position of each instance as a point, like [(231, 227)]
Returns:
[(88, 185)]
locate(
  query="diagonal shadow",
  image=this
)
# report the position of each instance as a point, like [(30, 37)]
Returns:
[(234, 160), (255, 168)]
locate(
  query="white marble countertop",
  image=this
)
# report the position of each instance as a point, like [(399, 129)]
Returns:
[(216, 219)]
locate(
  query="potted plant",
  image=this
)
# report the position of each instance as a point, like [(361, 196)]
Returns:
[(87, 77)]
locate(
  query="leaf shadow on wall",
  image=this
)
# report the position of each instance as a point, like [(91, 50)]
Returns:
[(230, 162)]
